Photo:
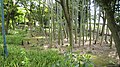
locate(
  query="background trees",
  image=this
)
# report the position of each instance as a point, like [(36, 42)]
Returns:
[(65, 24)]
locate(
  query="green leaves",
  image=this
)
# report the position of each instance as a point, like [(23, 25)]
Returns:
[(19, 57), (74, 60), (6, 1), (88, 65)]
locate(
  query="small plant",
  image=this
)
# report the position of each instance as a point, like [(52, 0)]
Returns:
[(74, 60)]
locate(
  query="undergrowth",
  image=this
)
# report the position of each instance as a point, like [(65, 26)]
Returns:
[(12, 39), (19, 57)]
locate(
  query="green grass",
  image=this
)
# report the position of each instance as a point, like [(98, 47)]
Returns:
[(19, 57), (103, 61), (12, 39)]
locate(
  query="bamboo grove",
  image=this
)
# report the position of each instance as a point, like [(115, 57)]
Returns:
[(84, 26), (73, 22), (79, 22)]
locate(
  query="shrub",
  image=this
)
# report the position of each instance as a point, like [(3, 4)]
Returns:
[(75, 60)]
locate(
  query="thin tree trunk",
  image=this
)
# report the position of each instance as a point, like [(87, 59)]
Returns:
[(106, 36), (90, 24), (62, 35), (7, 25), (76, 21), (59, 34), (97, 37), (13, 24), (111, 40), (103, 27), (87, 20), (104, 22), (81, 21), (83, 26), (51, 25), (94, 19)]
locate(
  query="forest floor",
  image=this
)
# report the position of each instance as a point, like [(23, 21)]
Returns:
[(101, 55)]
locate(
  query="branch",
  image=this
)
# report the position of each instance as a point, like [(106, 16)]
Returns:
[(58, 1), (17, 2)]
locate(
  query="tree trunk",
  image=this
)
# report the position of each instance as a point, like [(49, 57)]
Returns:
[(90, 43), (104, 22), (7, 26), (94, 19), (13, 26), (68, 18), (114, 29), (111, 41), (97, 36), (103, 28)]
